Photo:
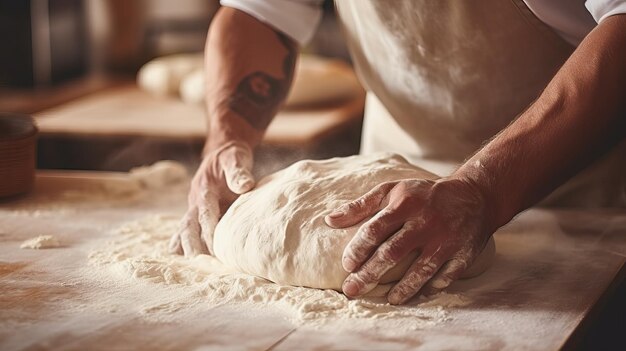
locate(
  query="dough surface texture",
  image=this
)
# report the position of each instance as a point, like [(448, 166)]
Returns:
[(277, 231)]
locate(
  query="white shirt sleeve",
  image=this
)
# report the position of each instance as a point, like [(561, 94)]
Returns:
[(296, 18), (601, 9)]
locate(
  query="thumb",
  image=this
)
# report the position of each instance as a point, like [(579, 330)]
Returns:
[(351, 213), (236, 161)]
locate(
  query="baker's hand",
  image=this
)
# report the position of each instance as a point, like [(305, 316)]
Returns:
[(443, 220), (224, 174)]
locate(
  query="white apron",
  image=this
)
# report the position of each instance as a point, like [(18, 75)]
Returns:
[(445, 76)]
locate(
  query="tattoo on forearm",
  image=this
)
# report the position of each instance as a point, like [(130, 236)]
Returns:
[(258, 95)]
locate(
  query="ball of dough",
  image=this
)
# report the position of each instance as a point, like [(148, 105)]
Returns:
[(162, 76), (192, 87), (277, 231), (318, 81)]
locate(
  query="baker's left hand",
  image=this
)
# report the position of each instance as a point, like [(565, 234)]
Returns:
[(446, 221)]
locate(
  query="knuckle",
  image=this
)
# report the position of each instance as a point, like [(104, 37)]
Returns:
[(425, 182), (347, 208), (401, 292), (413, 225), (398, 202), (206, 195), (415, 282), (184, 234), (353, 206), (425, 269), (442, 282), (404, 200), (470, 251), (349, 254), (380, 192), (457, 266), (391, 251), (462, 257), (387, 254), (188, 221), (367, 276), (369, 234), (382, 188), (359, 253), (357, 204)]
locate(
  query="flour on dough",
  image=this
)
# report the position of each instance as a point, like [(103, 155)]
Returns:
[(277, 231), (41, 242)]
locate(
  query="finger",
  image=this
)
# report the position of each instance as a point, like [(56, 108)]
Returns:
[(387, 256), (420, 272), (190, 236), (208, 216), (236, 162), (239, 180), (369, 236), (449, 272), (355, 211), (174, 246)]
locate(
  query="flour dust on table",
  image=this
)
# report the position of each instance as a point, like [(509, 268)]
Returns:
[(41, 242), (138, 252), (273, 249)]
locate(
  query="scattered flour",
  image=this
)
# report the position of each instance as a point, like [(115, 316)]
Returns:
[(41, 242), (139, 252), (159, 174), (88, 192)]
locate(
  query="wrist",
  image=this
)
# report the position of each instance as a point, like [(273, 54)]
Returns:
[(226, 132), (479, 182)]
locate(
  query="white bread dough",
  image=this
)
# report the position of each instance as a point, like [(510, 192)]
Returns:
[(192, 87), (316, 81), (163, 76), (277, 231)]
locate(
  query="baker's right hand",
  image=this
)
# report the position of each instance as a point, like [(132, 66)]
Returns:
[(223, 175)]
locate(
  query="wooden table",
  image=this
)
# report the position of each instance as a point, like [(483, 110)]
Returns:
[(124, 127), (131, 112), (552, 270), (29, 101)]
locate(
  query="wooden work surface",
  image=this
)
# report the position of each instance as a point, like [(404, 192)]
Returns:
[(131, 112), (29, 101), (552, 268)]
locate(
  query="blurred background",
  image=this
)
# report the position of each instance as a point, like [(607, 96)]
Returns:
[(74, 64)]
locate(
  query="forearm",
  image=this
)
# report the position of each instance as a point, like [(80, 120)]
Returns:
[(578, 117), (249, 68)]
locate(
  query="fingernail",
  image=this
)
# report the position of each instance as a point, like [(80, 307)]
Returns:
[(335, 215), (394, 298), (348, 264), (350, 288), (243, 184)]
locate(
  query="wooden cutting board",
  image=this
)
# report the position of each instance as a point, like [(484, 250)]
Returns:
[(131, 112)]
